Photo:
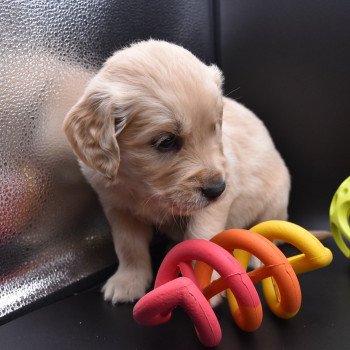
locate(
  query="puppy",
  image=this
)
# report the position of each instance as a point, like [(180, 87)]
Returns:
[(163, 148)]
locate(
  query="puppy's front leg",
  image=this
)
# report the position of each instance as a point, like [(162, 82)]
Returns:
[(209, 221), (131, 241), (205, 224)]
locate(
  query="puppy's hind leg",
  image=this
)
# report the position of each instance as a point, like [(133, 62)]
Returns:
[(131, 241), (275, 209)]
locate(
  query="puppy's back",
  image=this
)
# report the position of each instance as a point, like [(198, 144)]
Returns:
[(259, 178)]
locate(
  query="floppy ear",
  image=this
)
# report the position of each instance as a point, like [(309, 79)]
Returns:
[(91, 130), (217, 75)]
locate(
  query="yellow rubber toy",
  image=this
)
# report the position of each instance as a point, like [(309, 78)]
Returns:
[(314, 256), (339, 213)]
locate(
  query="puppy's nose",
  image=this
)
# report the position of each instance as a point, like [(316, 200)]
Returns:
[(214, 189)]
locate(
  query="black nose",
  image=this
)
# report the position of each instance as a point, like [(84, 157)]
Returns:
[(214, 189)]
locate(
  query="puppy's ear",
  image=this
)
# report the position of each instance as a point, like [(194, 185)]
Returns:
[(91, 130), (217, 75)]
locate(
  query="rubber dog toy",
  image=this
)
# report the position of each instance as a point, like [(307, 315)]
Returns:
[(171, 290), (155, 308), (339, 213), (192, 290), (314, 256), (280, 279)]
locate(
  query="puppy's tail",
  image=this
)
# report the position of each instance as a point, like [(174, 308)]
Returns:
[(321, 235)]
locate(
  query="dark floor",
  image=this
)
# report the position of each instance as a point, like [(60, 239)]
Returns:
[(85, 321)]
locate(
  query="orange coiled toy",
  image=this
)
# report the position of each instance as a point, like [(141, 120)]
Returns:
[(276, 268)]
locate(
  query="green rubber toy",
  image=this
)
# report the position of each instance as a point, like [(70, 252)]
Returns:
[(339, 213)]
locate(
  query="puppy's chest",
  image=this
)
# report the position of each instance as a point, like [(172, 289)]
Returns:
[(121, 197), (175, 228)]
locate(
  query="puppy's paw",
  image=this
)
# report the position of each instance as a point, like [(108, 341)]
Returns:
[(217, 299), (126, 286), (255, 263)]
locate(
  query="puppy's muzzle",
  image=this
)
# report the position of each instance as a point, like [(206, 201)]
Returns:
[(213, 190)]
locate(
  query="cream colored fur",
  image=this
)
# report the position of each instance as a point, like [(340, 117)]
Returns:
[(143, 94)]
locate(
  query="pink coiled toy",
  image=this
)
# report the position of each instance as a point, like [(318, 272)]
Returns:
[(278, 275), (171, 291)]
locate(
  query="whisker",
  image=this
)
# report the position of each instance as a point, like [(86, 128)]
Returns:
[(163, 214), (147, 200), (232, 91)]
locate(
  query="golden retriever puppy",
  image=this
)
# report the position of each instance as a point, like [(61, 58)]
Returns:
[(163, 148)]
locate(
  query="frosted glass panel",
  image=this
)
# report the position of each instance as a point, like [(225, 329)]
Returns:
[(52, 231)]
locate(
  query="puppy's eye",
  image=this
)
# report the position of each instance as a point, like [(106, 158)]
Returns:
[(167, 143)]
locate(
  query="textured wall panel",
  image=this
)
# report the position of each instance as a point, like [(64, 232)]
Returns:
[(52, 231), (289, 62)]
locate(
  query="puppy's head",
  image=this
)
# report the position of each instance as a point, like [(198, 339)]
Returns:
[(151, 118)]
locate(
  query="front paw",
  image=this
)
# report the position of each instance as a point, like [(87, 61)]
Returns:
[(126, 286), (217, 299)]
